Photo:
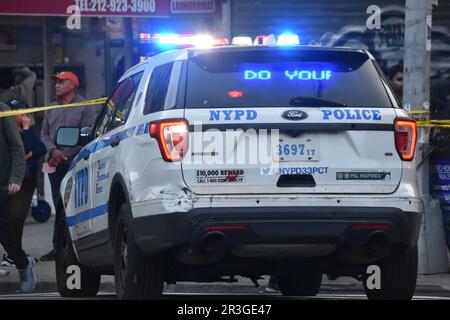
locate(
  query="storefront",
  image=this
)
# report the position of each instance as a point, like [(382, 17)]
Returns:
[(343, 23), (104, 44), (107, 41)]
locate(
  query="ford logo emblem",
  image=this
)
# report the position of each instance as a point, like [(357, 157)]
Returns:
[(294, 115)]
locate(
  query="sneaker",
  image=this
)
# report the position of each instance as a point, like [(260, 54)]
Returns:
[(271, 290), (7, 261), (272, 286), (28, 277), (4, 273), (51, 256)]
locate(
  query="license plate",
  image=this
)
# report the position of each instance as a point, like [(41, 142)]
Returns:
[(296, 149)]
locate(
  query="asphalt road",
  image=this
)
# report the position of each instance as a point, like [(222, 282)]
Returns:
[(37, 241), (181, 296)]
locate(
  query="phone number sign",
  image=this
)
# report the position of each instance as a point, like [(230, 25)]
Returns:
[(117, 7), (122, 8)]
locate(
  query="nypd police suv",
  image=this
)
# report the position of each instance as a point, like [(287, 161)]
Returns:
[(205, 164)]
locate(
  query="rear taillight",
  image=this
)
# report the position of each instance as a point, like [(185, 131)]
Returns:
[(172, 136), (405, 138)]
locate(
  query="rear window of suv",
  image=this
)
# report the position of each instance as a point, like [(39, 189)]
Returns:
[(284, 78)]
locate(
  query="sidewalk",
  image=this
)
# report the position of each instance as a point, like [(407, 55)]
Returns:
[(38, 237)]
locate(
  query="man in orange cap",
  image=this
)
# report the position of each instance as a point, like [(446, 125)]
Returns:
[(66, 85)]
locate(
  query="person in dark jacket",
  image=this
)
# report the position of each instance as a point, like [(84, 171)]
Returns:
[(439, 99), (34, 150), (440, 110), (12, 168)]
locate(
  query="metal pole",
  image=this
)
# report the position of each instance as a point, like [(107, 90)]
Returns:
[(416, 96), (47, 28), (226, 19), (47, 61), (128, 45)]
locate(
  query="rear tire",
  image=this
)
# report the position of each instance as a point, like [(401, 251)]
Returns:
[(137, 276), (398, 277), (65, 257), (305, 283)]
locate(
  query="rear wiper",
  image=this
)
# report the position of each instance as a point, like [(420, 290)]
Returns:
[(300, 101)]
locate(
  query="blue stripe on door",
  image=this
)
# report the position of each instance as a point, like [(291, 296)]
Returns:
[(87, 215)]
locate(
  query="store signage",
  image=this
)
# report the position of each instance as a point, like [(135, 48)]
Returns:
[(192, 6), (112, 8)]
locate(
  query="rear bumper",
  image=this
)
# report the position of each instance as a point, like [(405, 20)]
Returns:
[(240, 226)]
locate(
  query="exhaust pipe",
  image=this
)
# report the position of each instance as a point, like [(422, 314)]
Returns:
[(212, 249), (378, 241), (213, 242)]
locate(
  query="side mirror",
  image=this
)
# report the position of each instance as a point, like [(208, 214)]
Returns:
[(67, 137)]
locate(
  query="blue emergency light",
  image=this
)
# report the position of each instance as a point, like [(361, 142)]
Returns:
[(167, 39)]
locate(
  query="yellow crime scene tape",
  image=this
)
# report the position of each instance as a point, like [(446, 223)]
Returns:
[(10, 113), (425, 122), (419, 112)]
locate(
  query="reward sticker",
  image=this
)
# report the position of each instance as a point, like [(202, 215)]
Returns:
[(220, 176)]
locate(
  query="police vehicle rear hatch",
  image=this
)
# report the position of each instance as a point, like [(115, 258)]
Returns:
[(291, 120)]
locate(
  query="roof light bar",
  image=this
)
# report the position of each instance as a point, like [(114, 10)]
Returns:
[(261, 40), (221, 42), (183, 40), (242, 41), (203, 41), (145, 37), (167, 39), (287, 39)]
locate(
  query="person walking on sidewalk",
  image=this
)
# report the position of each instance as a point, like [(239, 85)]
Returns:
[(12, 168), (34, 150), (66, 92)]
